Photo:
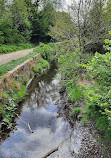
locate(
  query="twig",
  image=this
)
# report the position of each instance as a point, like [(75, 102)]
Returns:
[(27, 124), (29, 127), (50, 152)]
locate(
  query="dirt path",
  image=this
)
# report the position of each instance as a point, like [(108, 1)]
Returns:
[(5, 58)]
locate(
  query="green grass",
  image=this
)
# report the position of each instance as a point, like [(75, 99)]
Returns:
[(76, 111), (10, 65), (75, 93), (17, 97), (4, 49), (40, 65)]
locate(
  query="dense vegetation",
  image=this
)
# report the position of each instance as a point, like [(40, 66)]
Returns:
[(24, 21), (4, 49)]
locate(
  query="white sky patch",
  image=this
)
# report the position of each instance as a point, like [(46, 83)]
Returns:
[(68, 3)]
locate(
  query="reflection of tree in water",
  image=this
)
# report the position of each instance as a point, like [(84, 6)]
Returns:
[(44, 94)]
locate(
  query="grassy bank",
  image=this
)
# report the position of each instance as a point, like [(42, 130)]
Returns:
[(4, 49), (47, 51), (11, 65)]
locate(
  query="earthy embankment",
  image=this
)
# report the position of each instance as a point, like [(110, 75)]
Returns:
[(5, 58), (20, 70)]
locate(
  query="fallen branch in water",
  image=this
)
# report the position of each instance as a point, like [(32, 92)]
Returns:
[(50, 152), (27, 124), (29, 127)]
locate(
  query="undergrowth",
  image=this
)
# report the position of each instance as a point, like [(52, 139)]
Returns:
[(4, 49)]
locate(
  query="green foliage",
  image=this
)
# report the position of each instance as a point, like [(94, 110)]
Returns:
[(15, 26), (4, 96), (48, 51), (84, 121), (99, 93), (63, 29), (41, 23), (4, 49), (100, 68), (69, 66), (102, 124), (75, 92), (76, 111), (7, 113), (70, 69), (41, 64), (21, 21), (20, 94), (25, 79)]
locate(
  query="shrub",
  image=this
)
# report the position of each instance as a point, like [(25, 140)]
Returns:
[(48, 51), (41, 64), (99, 94)]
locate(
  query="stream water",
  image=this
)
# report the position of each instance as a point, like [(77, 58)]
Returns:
[(41, 109)]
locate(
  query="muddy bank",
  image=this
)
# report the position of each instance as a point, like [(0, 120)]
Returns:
[(90, 147)]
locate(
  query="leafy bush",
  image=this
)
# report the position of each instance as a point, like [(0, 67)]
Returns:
[(7, 113), (99, 93), (48, 51), (41, 64), (100, 68)]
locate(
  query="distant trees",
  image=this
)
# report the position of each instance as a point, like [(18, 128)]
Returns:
[(90, 18), (41, 23), (26, 20), (14, 23), (41, 20)]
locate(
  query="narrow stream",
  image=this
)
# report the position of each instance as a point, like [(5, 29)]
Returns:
[(41, 109)]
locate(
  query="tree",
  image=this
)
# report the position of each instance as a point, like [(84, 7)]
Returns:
[(108, 15), (20, 19), (97, 26), (41, 23), (89, 19), (63, 28)]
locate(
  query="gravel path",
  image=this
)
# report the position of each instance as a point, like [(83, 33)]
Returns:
[(5, 58)]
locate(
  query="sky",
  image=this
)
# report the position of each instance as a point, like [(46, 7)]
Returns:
[(66, 3)]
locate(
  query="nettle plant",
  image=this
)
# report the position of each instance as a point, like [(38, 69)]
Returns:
[(99, 95)]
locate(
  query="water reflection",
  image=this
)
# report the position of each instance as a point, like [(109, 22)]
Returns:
[(40, 109)]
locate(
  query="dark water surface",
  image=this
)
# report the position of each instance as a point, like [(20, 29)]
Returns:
[(40, 109)]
